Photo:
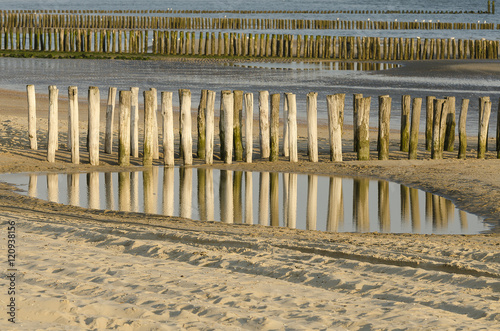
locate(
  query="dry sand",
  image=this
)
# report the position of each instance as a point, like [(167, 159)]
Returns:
[(88, 269)]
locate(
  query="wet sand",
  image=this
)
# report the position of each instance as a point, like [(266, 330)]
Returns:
[(92, 269)]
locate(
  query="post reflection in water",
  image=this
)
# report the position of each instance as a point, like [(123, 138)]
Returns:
[(93, 190), (124, 191), (361, 212), (168, 191), (53, 187), (226, 196), (305, 202), (264, 198), (248, 198), (73, 182), (186, 194), (312, 202), (275, 202), (384, 210)]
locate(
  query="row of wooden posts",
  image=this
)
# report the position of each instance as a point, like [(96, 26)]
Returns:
[(490, 10), (160, 22), (240, 44), (439, 131), (236, 195)]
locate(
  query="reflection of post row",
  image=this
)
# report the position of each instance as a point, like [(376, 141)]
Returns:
[(280, 201), (235, 138)]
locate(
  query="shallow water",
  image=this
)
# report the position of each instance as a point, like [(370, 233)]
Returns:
[(273, 199)]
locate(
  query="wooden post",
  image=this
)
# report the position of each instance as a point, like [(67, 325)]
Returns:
[(94, 120), (312, 126), (363, 129), (248, 128), (134, 122), (484, 120), (449, 140), (384, 119), (429, 116), (32, 116), (147, 159), (462, 133), (415, 124), (168, 128), (286, 136), (264, 123), (53, 123), (110, 114), (439, 111), (74, 129), (156, 147), (124, 128), (201, 124), (355, 109), (210, 129), (237, 125), (185, 126), (335, 103), (405, 123), (292, 125), (275, 118), (227, 106)]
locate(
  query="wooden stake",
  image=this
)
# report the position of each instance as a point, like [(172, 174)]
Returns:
[(462, 133), (74, 129), (355, 110), (53, 123), (405, 123), (363, 129), (335, 104), (384, 119), (449, 140), (94, 120), (264, 124), (210, 128), (201, 124), (312, 126), (32, 116), (439, 110), (248, 128), (429, 116), (134, 122), (227, 104), (292, 125), (237, 125), (168, 128), (147, 159), (110, 114), (483, 127), (185, 126), (415, 124), (124, 128)]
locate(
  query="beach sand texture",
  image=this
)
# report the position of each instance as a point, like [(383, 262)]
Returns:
[(89, 269)]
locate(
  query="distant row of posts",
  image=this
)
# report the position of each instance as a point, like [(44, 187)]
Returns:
[(235, 125), (236, 199)]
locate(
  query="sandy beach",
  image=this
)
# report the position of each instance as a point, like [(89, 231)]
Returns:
[(89, 269)]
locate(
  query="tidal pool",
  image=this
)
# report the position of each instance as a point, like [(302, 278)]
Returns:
[(308, 202)]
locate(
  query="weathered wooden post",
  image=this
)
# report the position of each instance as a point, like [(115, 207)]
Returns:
[(363, 129), (264, 123), (286, 136), (210, 128), (312, 126), (237, 125), (449, 139), (335, 104), (462, 133), (32, 116), (275, 127), (94, 120), (484, 120), (185, 126), (53, 123), (74, 129), (156, 147), (168, 128), (227, 106), (124, 128), (355, 109), (248, 127), (147, 159), (439, 111), (201, 124), (134, 122), (405, 123), (384, 119), (415, 124), (292, 125), (429, 116), (110, 115)]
